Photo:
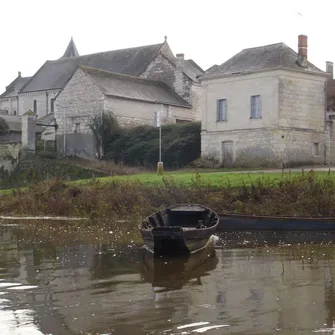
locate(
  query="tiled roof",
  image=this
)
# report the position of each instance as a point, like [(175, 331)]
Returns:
[(262, 58), (130, 87), (54, 74)]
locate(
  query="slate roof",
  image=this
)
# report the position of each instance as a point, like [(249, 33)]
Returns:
[(54, 74), (71, 50), (192, 69), (15, 122), (14, 87), (129, 87), (46, 119), (262, 58)]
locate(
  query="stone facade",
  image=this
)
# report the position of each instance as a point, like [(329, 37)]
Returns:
[(171, 73), (10, 105), (43, 102), (291, 129), (77, 103), (83, 99)]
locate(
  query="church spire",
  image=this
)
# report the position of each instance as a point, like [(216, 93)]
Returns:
[(71, 50)]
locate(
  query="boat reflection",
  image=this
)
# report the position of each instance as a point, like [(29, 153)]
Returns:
[(172, 273)]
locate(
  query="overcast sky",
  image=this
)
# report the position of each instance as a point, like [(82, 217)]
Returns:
[(209, 32)]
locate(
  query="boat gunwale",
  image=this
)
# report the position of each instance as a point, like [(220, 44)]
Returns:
[(217, 218)]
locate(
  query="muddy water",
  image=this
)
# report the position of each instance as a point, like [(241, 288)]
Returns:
[(252, 284)]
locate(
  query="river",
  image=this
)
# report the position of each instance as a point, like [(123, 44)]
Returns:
[(251, 284)]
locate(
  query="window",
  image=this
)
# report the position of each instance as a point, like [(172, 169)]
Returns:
[(256, 107), (221, 111), (316, 149), (35, 106), (52, 101), (166, 111), (14, 112), (77, 128)]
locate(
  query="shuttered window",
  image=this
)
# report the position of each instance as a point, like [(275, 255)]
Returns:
[(256, 112), (221, 112)]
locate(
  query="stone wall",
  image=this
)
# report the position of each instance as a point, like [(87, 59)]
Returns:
[(9, 156), (81, 99), (80, 145), (237, 90), (330, 142), (302, 101), (198, 101), (266, 146), (134, 113), (291, 130), (162, 69), (43, 99), (10, 105)]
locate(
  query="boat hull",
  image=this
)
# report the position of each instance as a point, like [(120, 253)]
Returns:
[(176, 241), (235, 222)]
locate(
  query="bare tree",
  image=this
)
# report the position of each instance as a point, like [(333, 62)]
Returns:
[(102, 125), (4, 127)]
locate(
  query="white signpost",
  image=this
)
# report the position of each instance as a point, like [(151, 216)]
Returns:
[(157, 124)]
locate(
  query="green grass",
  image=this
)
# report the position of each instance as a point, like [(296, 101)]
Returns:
[(214, 179), (187, 179)]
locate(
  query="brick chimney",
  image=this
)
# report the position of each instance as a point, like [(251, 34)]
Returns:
[(330, 68), (302, 50)]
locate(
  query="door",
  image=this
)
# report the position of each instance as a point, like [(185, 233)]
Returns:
[(227, 151)]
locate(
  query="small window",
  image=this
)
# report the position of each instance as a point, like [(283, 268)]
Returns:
[(256, 112), (35, 106), (221, 111), (166, 111), (316, 149), (52, 102), (77, 128), (14, 112)]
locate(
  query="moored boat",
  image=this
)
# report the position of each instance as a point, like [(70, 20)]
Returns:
[(239, 222), (179, 229)]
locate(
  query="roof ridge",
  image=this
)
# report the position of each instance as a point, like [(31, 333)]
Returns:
[(262, 46), (118, 75)]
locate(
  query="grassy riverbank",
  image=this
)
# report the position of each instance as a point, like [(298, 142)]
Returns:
[(311, 194)]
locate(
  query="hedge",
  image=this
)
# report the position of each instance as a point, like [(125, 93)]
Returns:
[(139, 146)]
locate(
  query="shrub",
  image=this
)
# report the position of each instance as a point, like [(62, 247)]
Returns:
[(206, 162)]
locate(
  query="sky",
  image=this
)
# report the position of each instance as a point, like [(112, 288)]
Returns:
[(209, 32)]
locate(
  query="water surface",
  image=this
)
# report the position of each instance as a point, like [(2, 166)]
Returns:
[(260, 283)]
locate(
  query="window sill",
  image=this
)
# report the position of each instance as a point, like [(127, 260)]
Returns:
[(220, 121), (255, 118)]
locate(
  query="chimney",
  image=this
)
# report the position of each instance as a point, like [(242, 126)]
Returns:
[(330, 68), (180, 60), (19, 74), (302, 50)]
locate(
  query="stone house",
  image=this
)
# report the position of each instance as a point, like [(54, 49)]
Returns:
[(9, 102), (266, 105), (156, 62), (132, 100)]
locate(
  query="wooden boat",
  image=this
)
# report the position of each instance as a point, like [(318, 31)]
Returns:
[(237, 222), (172, 273), (179, 229)]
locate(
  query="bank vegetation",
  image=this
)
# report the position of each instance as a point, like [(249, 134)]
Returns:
[(305, 194)]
